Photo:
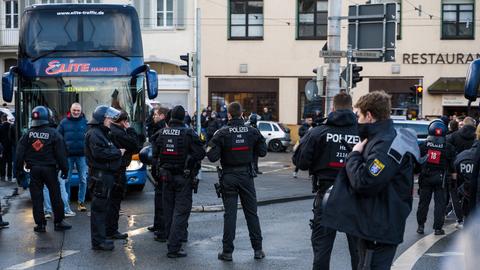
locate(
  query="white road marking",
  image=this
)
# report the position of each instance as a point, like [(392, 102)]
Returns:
[(278, 170), (445, 254), (407, 260), (137, 231), (43, 260)]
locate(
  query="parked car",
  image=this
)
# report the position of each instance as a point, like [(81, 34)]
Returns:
[(419, 126), (276, 135)]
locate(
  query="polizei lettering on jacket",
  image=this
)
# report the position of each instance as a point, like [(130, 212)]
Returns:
[(434, 145), (238, 129), (39, 135), (171, 132), (337, 138)]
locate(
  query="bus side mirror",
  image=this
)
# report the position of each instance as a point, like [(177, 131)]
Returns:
[(152, 83), (472, 81), (8, 81)]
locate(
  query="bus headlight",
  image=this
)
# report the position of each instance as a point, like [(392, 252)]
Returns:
[(135, 165)]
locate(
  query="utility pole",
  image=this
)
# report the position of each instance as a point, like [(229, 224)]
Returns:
[(198, 71), (333, 76)]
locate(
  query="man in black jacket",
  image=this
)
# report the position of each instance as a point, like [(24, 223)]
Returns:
[(372, 198), (171, 149), (42, 149), (124, 137), (307, 124), (341, 125), (104, 161), (235, 146)]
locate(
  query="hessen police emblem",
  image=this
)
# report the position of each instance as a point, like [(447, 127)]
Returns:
[(376, 167)]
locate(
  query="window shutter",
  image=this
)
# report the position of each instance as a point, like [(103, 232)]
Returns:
[(181, 11)]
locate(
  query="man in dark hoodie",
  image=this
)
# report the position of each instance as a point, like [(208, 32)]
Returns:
[(461, 140), (307, 124), (73, 128), (324, 165)]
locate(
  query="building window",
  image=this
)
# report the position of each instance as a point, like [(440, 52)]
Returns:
[(246, 19), (11, 14), (164, 13), (457, 21), (312, 19)]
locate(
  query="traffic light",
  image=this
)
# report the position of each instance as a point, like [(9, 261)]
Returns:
[(419, 90), (356, 75), (186, 68)]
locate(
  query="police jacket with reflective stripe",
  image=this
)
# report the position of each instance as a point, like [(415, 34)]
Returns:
[(235, 144), (321, 150), (41, 146), (372, 197), (126, 139), (173, 144), (100, 151)]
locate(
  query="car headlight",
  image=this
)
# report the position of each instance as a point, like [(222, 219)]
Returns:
[(135, 165)]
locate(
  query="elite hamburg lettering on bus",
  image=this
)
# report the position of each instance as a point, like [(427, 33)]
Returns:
[(56, 67)]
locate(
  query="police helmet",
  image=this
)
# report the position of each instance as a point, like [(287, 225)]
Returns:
[(40, 116), (145, 155), (437, 128), (102, 112), (253, 118)]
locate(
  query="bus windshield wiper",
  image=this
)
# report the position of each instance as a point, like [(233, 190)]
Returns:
[(114, 52), (48, 53)]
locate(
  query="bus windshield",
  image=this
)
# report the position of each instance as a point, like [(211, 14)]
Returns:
[(80, 31), (58, 93)]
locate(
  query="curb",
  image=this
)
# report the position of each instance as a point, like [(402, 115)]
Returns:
[(220, 208)]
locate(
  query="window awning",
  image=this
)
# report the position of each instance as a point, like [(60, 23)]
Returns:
[(447, 86)]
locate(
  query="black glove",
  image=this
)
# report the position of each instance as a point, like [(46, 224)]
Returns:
[(64, 175)]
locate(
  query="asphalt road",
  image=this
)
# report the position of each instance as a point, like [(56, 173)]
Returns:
[(285, 230)]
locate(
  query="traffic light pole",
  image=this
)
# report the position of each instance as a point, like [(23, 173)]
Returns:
[(198, 73), (333, 77)]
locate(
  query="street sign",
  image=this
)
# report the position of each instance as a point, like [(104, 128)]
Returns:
[(367, 54), (373, 27), (344, 74), (331, 60), (333, 54)]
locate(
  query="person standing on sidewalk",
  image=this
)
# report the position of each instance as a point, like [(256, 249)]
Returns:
[(6, 161), (306, 126), (341, 124), (171, 149), (123, 136), (104, 160), (73, 129), (235, 146), (42, 149)]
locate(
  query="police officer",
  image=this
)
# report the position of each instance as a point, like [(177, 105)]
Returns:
[(42, 149), (158, 228), (340, 125), (124, 137), (171, 149), (372, 198), (438, 158), (235, 146), (104, 160), (464, 166)]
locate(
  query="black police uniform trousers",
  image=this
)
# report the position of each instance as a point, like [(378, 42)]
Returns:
[(116, 197), (177, 202), (323, 238), (102, 184), (45, 175), (158, 219), (374, 255), (425, 193), (237, 182)]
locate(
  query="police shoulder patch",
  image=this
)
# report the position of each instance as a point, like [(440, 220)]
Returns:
[(376, 167)]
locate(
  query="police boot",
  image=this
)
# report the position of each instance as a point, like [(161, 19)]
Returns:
[(151, 228), (105, 246), (439, 232), (40, 228), (421, 229), (160, 237), (118, 236), (3, 224), (259, 254), (177, 254), (225, 256), (62, 226)]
